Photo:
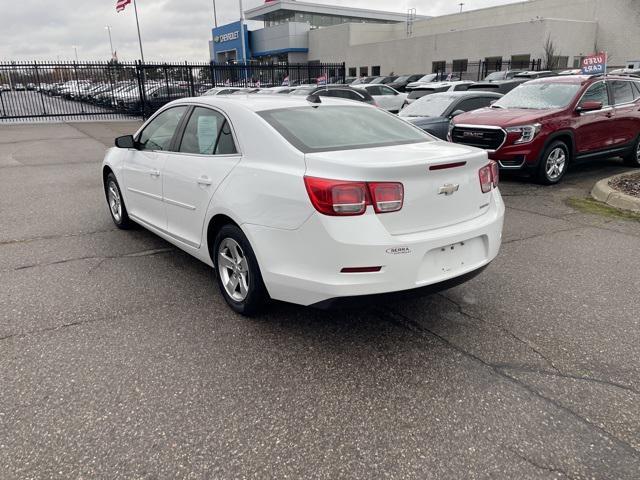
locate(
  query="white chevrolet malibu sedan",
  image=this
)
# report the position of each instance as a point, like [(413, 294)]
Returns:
[(306, 200)]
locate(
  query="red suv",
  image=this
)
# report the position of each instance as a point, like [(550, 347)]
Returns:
[(544, 125)]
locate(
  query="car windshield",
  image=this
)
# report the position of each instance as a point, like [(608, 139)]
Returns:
[(539, 96), (328, 128), (429, 106), (403, 78)]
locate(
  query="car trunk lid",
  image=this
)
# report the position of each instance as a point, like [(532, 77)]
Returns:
[(441, 182)]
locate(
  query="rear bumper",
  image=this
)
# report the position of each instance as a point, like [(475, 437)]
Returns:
[(363, 300), (304, 266)]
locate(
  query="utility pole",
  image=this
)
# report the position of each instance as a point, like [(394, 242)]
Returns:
[(75, 49), (215, 18), (108, 29)]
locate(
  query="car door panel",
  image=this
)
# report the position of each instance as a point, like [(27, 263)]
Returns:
[(144, 166), (206, 155), (626, 112), (593, 129)]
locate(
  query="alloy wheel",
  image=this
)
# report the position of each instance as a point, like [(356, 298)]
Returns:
[(556, 163), (233, 269), (115, 202)]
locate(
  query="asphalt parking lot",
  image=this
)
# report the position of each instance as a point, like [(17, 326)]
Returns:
[(119, 358), (31, 103)]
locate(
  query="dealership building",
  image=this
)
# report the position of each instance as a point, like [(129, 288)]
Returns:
[(372, 42)]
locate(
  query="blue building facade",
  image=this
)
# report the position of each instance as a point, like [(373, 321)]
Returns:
[(227, 43)]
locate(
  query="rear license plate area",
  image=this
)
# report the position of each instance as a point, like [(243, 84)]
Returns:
[(446, 260)]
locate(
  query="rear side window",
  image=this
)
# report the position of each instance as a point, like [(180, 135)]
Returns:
[(386, 91), (374, 90), (636, 90), (207, 133), (332, 127), (596, 93), (622, 92), (348, 94), (461, 88)]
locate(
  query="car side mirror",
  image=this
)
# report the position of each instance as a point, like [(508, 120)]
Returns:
[(456, 113), (589, 107), (126, 141)]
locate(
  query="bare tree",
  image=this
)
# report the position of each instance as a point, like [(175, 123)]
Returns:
[(550, 54)]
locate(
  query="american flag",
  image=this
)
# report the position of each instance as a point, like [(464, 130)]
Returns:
[(121, 4)]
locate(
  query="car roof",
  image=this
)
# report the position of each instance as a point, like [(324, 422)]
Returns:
[(579, 79), (258, 103), (468, 93), (440, 84)]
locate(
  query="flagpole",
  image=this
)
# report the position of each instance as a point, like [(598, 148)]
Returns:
[(135, 8), (244, 48)]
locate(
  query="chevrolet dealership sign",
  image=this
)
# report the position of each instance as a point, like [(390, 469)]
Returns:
[(227, 37)]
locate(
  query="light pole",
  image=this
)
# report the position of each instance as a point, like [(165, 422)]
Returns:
[(461, 5), (75, 49), (108, 29), (215, 18)]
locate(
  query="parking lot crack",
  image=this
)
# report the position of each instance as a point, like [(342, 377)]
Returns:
[(539, 465), (102, 258), (568, 376), (538, 235), (502, 328), (403, 321), (54, 237)]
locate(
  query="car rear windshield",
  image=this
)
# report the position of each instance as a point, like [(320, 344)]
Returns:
[(422, 92), (539, 96), (332, 127)]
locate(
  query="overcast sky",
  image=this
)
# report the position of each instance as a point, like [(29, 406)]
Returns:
[(171, 29)]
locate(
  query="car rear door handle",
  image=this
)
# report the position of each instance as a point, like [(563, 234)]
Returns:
[(204, 181), (154, 173)]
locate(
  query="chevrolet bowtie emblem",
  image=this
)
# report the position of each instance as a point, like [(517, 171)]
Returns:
[(448, 189)]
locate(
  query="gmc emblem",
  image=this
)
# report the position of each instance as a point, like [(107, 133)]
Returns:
[(473, 134)]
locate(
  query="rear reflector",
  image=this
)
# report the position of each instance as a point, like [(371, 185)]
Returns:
[(444, 166), (360, 269)]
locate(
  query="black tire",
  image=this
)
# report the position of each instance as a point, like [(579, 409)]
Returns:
[(632, 159), (255, 296), (553, 153), (119, 216)]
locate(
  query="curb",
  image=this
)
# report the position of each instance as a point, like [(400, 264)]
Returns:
[(614, 198)]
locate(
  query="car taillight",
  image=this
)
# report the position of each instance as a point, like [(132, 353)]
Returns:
[(386, 197), (495, 173), (489, 177), (345, 198)]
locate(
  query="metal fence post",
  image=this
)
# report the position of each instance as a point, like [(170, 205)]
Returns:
[(35, 66), (141, 88), (192, 89)]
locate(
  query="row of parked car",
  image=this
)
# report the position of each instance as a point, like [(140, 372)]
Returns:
[(540, 126)]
